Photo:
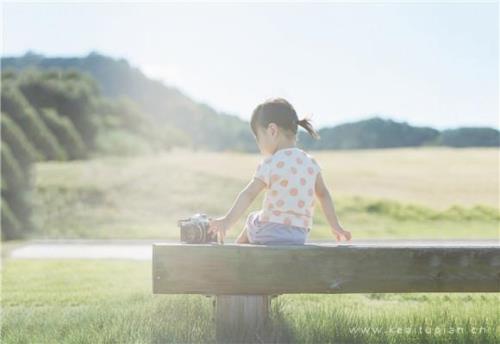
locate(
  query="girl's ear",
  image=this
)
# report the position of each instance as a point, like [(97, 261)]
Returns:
[(272, 129)]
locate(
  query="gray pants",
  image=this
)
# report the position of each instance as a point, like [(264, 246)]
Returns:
[(270, 233)]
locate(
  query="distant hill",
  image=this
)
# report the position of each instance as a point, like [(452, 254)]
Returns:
[(213, 130), (377, 132), (116, 77)]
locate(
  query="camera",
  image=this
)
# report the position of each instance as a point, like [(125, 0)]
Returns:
[(194, 229)]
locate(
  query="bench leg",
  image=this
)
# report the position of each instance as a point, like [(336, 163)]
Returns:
[(241, 318)]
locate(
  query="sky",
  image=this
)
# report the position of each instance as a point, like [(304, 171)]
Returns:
[(430, 64)]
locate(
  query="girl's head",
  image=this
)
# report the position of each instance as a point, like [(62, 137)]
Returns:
[(275, 123)]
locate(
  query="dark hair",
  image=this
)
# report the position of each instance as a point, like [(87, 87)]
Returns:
[(282, 113)]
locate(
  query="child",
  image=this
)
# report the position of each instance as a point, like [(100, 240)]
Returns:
[(291, 177)]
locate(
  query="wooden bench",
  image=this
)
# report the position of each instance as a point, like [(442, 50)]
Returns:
[(244, 277)]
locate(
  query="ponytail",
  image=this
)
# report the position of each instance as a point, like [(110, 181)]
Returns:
[(282, 113), (306, 124)]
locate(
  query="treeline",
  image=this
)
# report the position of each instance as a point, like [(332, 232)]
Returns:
[(60, 115), (201, 127), (377, 132)]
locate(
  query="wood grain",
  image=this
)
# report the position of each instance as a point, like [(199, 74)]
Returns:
[(315, 268)]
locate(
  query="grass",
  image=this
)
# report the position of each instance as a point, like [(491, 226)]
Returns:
[(87, 301), (400, 193), (431, 193)]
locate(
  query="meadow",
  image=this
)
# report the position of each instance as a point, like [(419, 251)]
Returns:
[(428, 193), (431, 193)]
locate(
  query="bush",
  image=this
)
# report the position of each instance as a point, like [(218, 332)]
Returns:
[(21, 147), (72, 94), (12, 173), (65, 132), (21, 112), (16, 196), (11, 226), (121, 142)]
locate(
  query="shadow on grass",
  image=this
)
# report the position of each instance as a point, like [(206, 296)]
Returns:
[(280, 328)]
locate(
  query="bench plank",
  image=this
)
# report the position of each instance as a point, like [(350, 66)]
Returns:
[(322, 268)]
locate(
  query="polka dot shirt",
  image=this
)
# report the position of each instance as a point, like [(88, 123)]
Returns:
[(289, 175)]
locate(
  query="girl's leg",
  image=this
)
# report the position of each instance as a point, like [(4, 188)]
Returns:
[(243, 237)]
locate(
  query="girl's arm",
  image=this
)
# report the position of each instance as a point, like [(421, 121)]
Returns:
[(240, 205), (326, 200), (243, 201)]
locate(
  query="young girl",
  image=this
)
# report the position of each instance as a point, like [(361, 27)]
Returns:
[(291, 178)]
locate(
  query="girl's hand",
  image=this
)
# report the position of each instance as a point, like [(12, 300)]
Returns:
[(339, 232), (220, 226)]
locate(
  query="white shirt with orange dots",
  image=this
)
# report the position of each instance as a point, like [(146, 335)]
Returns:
[(290, 175)]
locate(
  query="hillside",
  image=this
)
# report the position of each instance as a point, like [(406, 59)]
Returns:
[(116, 77), (211, 130)]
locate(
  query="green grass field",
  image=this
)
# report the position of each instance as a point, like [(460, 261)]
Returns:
[(85, 301), (393, 194), (401, 193)]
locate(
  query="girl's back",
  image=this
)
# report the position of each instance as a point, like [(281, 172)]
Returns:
[(289, 175)]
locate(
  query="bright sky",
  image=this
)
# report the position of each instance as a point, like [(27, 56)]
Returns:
[(428, 63)]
